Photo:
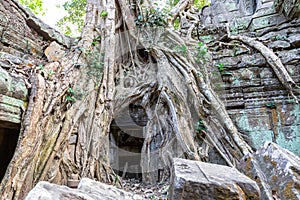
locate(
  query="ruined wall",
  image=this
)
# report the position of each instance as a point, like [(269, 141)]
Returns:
[(23, 39), (257, 102), (259, 105)]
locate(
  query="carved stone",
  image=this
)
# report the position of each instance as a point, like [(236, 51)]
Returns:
[(199, 180), (254, 86), (276, 170)]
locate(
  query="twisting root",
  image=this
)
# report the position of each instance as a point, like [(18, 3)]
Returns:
[(273, 60), (180, 6)]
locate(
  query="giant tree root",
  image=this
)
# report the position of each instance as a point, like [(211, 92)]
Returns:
[(273, 60)]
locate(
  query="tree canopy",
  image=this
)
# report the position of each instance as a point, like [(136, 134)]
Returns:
[(72, 23), (36, 6)]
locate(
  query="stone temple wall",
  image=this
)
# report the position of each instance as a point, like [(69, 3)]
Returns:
[(23, 39), (259, 105), (257, 102)]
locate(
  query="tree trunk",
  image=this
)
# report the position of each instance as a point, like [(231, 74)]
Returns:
[(119, 62), (53, 115)]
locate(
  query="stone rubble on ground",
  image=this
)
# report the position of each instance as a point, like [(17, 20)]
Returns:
[(87, 189), (276, 170), (198, 180), (147, 191)]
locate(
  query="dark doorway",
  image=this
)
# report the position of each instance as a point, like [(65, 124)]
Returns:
[(126, 141), (126, 146), (8, 143)]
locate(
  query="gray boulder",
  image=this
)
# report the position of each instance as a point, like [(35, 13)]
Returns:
[(198, 180), (276, 170), (105, 192), (87, 190)]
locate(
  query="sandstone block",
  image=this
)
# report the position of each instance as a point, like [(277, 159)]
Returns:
[(88, 189), (276, 170), (199, 180)]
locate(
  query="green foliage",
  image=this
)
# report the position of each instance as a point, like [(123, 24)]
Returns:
[(71, 91), (200, 127), (173, 3), (70, 95), (50, 73), (40, 67), (176, 23), (104, 14), (116, 180), (201, 52), (201, 3), (74, 20), (70, 98), (182, 49), (95, 65), (96, 40), (278, 37), (36, 6), (197, 3), (221, 67), (271, 105), (152, 17), (47, 73), (75, 93)]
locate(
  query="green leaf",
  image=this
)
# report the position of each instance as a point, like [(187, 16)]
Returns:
[(51, 72), (200, 44), (221, 67), (70, 98), (35, 6), (200, 127), (271, 105), (70, 90), (75, 17), (176, 24), (201, 3), (41, 67), (104, 14)]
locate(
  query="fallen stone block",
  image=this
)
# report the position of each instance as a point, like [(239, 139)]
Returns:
[(198, 180), (276, 170), (87, 189), (104, 191)]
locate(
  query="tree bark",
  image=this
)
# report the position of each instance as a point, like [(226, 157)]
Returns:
[(42, 150), (109, 74)]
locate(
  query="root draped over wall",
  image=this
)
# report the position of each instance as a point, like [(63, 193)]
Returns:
[(156, 66)]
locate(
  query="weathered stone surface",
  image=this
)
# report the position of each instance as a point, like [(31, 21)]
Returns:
[(22, 33), (294, 39), (13, 92), (10, 112), (279, 45), (276, 170), (105, 191), (198, 180), (12, 86), (249, 14), (54, 52), (253, 85), (87, 189), (290, 8), (266, 21)]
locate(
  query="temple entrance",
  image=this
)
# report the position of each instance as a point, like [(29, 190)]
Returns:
[(8, 143), (126, 142)]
